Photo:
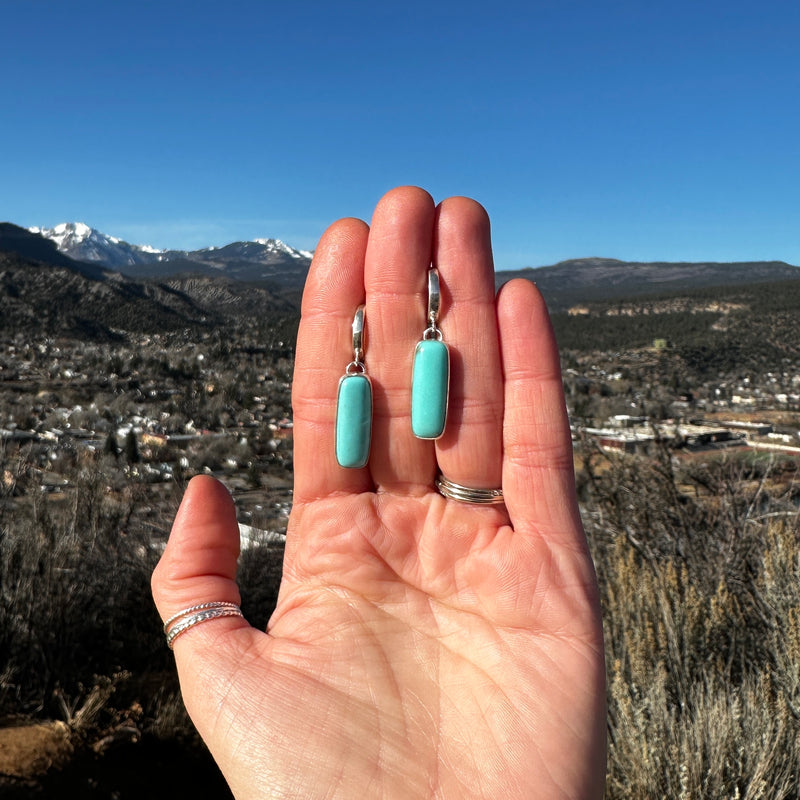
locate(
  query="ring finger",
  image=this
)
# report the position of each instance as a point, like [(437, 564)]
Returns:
[(470, 452)]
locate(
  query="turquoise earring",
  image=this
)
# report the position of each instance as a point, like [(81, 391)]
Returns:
[(430, 384), (354, 404)]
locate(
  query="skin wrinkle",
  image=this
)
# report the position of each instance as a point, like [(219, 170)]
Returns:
[(322, 372), (454, 704), (382, 282), (218, 566), (559, 692), (321, 420), (471, 406), (518, 424), (543, 463), (321, 318), (438, 607), (394, 685), (371, 647), (537, 394), (355, 714), (548, 433), (381, 296), (535, 377)]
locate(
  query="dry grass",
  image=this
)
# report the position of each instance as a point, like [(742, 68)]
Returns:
[(702, 626), (81, 642), (701, 595)]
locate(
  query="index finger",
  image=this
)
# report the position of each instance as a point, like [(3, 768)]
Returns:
[(334, 289)]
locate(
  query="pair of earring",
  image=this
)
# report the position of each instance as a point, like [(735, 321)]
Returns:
[(430, 385)]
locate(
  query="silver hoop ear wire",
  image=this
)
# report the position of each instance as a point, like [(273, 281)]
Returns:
[(434, 298), (358, 337)]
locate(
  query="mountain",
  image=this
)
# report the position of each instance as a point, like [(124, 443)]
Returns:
[(586, 279), (283, 269), (82, 243), (25, 244), (268, 274), (268, 260), (40, 298), (44, 291)]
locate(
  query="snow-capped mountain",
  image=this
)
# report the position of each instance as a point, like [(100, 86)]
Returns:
[(79, 241), (258, 260)]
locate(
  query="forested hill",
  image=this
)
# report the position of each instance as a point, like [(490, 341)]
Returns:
[(714, 329), (578, 280), (44, 299)]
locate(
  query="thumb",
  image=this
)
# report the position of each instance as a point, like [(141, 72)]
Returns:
[(199, 563)]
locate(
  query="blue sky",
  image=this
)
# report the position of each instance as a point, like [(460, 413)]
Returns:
[(633, 130)]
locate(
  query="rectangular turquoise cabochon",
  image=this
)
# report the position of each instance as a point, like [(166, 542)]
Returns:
[(353, 421), (429, 387)]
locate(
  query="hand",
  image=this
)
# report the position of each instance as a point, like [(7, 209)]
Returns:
[(421, 647)]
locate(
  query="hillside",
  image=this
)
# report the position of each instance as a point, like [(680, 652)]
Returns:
[(14, 239), (58, 300), (44, 291), (713, 329), (585, 279)]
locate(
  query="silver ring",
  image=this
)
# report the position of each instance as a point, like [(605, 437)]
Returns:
[(466, 494), (181, 622)]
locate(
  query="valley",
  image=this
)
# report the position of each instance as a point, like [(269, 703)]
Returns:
[(684, 400)]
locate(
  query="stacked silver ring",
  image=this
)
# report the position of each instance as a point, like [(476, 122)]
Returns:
[(466, 494), (181, 622)]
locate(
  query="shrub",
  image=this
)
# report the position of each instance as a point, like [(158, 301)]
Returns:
[(701, 607)]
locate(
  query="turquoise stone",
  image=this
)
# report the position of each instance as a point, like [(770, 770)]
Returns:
[(353, 421), (429, 387)]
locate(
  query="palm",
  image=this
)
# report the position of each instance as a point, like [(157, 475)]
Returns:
[(420, 647)]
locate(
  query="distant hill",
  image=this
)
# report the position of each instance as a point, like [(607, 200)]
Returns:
[(585, 279), (715, 314), (741, 328), (283, 269)]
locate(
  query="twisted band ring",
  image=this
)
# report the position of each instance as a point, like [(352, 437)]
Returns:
[(181, 622)]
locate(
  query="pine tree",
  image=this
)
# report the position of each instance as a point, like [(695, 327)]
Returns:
[(111, 447), (131, 448)]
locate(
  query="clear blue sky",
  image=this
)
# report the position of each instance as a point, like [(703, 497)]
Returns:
[(637, 130)]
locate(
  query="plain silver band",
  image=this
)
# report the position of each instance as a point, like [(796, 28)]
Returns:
[(184, 620), (466, 494)]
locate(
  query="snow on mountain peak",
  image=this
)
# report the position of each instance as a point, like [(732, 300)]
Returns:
[(66, 233), (80, 230), (278, 246), (79, 241)]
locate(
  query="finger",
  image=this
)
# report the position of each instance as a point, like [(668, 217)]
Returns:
[(538, 472), (334, 289), (199, 562), (471, 450), (397, 261)]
